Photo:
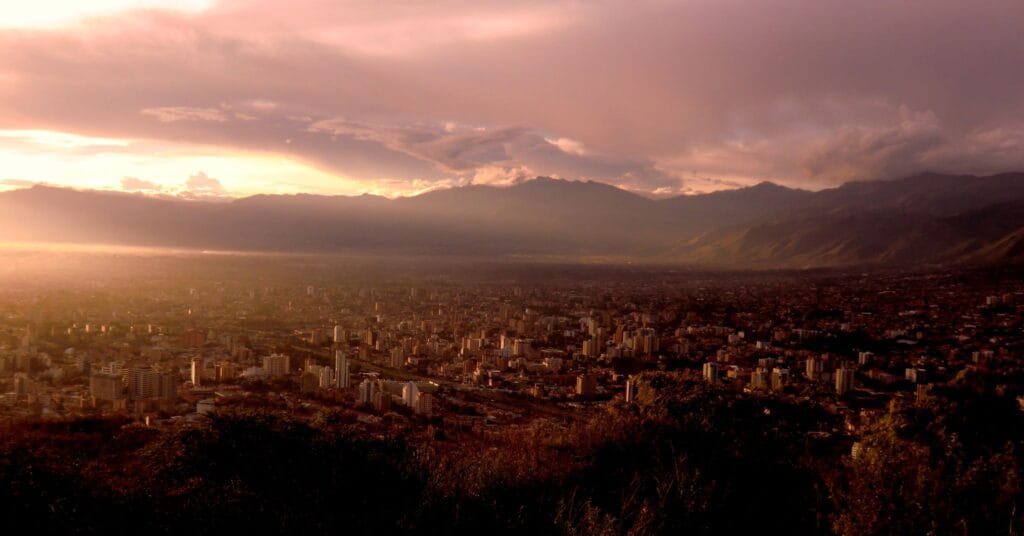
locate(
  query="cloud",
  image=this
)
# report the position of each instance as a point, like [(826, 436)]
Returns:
[(202, 185), (502, 176), (173, 114), (495, 154), (135, 184), (18, 183), (568, 146), (653, 95)]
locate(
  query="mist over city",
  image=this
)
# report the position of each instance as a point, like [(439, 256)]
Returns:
[(518, 267)]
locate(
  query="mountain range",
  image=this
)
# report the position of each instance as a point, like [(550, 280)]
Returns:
[(925, 218)]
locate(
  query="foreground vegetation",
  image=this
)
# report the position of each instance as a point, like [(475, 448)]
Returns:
[(688, 459)]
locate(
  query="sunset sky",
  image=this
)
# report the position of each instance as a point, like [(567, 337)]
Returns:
[(209, 98)]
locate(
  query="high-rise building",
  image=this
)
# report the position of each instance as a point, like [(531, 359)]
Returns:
[(813, 369), (397, 358), (276, 365), (339, 335), (586, 385), (143, 383), (779, 378), (342, 379), (167, 386), (711, 372), (367, 390), (646, 342), (197, 372), (309, 382), (632, 389), (916, 375), (226, 370), (844, 380), (106, 386), (326, 377), (410, 393), (193, 338), (759, 379), (424, 404)]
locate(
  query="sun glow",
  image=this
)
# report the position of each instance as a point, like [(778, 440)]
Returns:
[(66, 159), (56, 13)]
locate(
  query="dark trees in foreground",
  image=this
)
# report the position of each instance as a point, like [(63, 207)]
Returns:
[(688, 460)]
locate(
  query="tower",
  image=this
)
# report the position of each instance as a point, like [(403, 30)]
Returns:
[(341, 377)]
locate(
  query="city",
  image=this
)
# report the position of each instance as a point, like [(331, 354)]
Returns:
[(554, 268), (452, 359)]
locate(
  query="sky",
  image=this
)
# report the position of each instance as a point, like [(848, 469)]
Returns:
[(225, 98)]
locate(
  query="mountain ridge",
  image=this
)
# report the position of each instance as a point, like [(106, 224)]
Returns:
[(926, 217)]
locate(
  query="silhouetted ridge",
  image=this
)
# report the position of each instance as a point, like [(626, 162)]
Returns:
[(927, 217)]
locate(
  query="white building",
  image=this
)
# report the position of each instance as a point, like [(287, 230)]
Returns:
[(410, 394)]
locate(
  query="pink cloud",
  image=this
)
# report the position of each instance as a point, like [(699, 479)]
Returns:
[(648, 94)]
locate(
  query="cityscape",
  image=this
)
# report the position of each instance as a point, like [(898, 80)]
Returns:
[(499, 368), (551, 268)]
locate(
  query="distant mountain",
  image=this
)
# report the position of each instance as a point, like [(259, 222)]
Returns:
[(924, 218), (727, 208)]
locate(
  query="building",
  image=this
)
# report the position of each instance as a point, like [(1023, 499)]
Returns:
[(197, 372), (646, 343), (339, 335), (309, 382), (341, 374), (326, 377), (145, 383), (425, 404), (710, 372), (813, 369), (397, 358), (779, 378), (586, 385), (317, 337), (367, 391), (916, 375), (381, 400), (759, 379), (410, 393), (142, 383), (276, 365), (632, 389), (844, 380), (106, 386), (193, 338), (226, 370)]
